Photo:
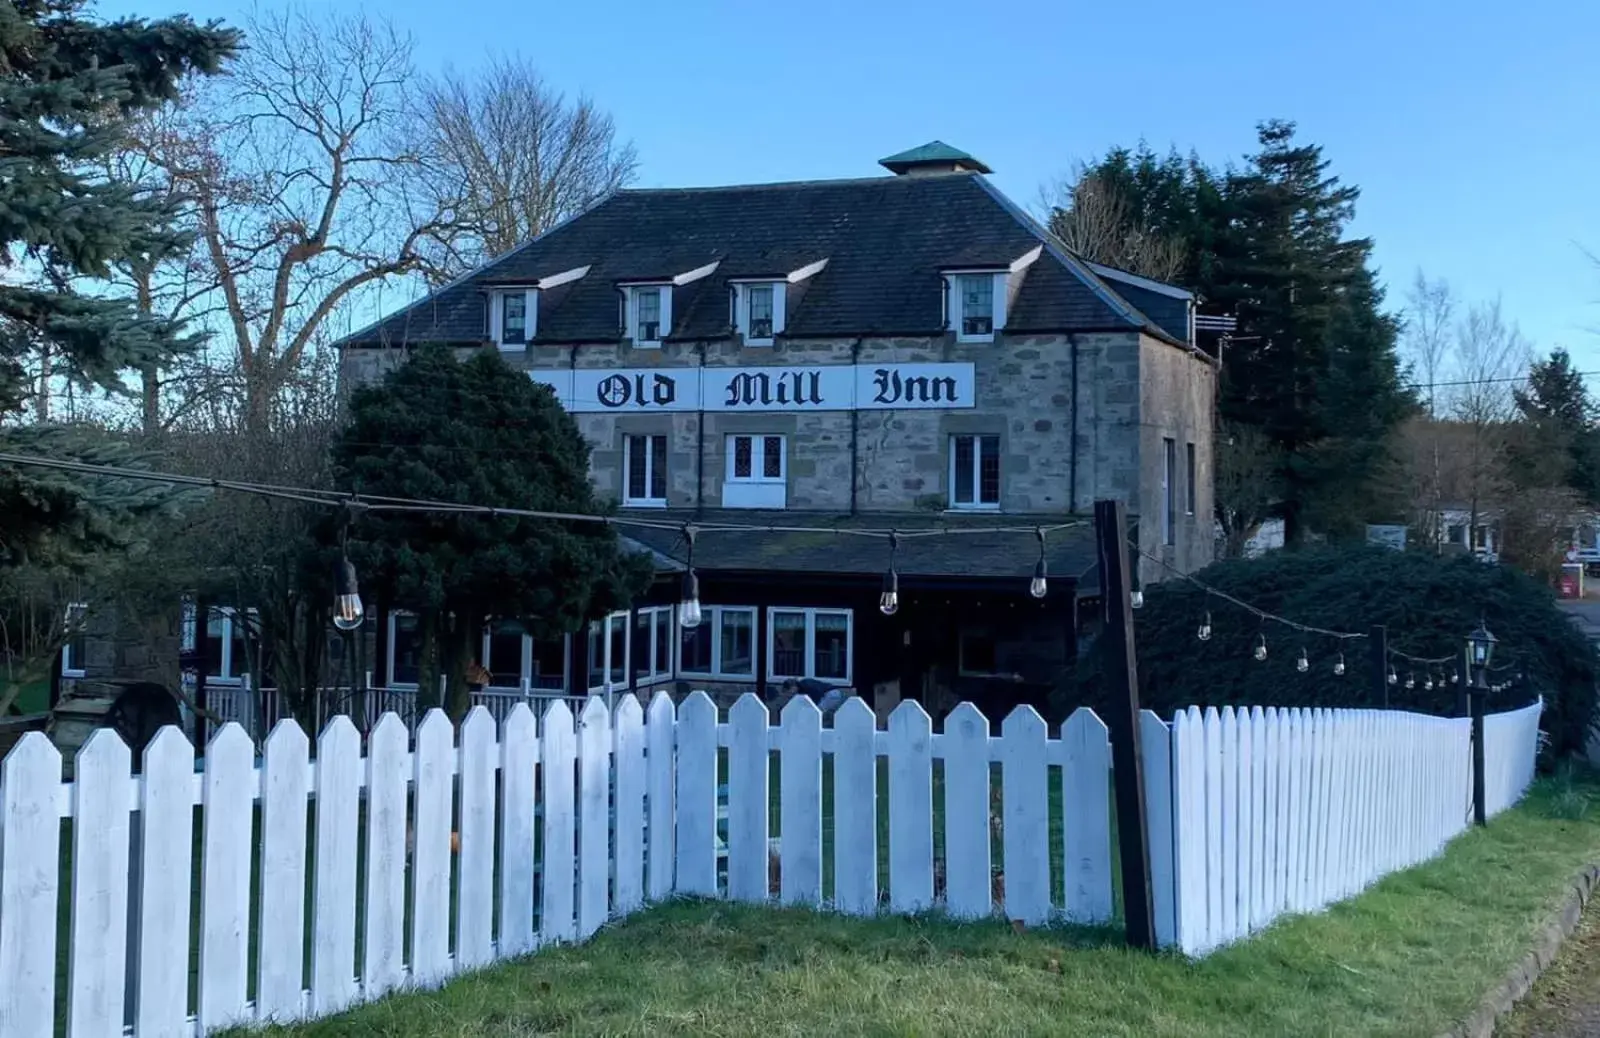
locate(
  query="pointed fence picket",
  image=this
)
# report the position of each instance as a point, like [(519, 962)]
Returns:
[(446, 847), (1254, 814)]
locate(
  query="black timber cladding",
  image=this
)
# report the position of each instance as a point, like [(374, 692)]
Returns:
[(886, 241)]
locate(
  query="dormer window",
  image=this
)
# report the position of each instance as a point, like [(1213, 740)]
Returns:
[(977, 305), (758, 310), (649, 314), (511, 317)]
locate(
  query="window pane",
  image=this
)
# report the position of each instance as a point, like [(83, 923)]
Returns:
[(77, 647), (978, 653), (597, 654), (760, 311), (738, 642), (619, 650), (695, 650), (1169, 492), (407, 650), (977, 304), (772, 458), (550, 664), (638, 459), (505, 654), (649, 313), (663, 642), (641, 643), (244, 641), (989, 474), (514, 317), (788, 644), (658, 468), (1189, 489), (961, 492), (216, 631), (833, 655), (741, 457)]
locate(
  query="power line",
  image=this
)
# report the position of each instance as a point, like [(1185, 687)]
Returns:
[(378, 503)]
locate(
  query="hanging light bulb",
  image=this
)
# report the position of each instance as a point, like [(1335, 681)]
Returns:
[(1394, 678), (1261, 647), (689, 614), (1302, 664), (1039, 586), (1136, 599), (889, 601), (1338, 666), (1204, 632), (347, 609), (1411, 681), (1455, 678), (1428, 684)]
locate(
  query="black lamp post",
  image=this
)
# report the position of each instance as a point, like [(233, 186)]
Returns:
[(1480, 652)]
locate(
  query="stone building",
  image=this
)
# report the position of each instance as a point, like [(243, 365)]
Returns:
[(907, 352)]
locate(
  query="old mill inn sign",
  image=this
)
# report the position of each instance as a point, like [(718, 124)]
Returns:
[(833, 387)]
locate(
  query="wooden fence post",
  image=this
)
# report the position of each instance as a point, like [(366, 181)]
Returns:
[(1378, 644), (1122, 679), (1479, 808)]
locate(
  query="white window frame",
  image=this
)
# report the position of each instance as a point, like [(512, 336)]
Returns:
[(525, 665), (394, 616), (72, 668), (811, 643), (530, 317), (651, 675), (977, 504), (649, 472), (226, 674), (741, 309), (712, 619), (758, 458), (1169, 491), (954, 296), (631, 304)]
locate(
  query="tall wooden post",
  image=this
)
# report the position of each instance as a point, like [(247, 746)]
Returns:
[(1378, 667), (1480, 813), (1122, 679)]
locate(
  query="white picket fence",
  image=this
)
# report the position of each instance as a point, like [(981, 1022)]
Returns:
[(1254, 814), (626, 805)]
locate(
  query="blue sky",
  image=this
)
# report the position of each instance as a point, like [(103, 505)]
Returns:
[(1472, 129)]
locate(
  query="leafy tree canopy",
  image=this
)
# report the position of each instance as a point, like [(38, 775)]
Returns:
[(1560, 433), (479, 432), (1429, 603)]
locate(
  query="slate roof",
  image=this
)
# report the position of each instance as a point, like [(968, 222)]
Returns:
[(885, 239), (1069, 554)]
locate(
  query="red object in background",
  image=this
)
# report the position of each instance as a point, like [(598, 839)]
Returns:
[(1569, 585)]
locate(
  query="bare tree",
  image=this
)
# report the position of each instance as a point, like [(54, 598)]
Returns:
[(1491, 356), (1093, 219), (513, 157), (303, 185), (1429, 331), (1246, 483)]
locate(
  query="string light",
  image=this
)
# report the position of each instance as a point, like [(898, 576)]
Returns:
[(689, 615), (1039, 586), (1338, 666), (1302, 664), (1394, 678), (889, 601), (1261, 647), (1136, 599), (1427, 685), (348, 611), (1411, 681), (1204, 633)]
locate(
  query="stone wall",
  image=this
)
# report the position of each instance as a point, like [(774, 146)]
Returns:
[(1130, 392), (1177, 393)]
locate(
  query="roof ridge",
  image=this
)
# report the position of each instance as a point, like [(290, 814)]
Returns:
[(792, 184)]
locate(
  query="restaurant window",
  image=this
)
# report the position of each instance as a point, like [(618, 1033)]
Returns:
[(74, 651), (651, 650), (405, 648), (645, 469), (809, 643), (723, 646), (231, 641)]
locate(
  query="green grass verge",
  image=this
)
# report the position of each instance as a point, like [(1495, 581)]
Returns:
[(1409, 957)]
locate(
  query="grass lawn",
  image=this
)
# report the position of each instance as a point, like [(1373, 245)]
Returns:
[(1409, 957)]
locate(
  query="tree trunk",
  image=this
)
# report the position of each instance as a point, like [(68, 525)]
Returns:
[(428, 669), (149, 400), (459, 699)]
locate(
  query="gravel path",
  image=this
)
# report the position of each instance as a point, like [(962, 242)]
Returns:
[(1565, 1002)]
